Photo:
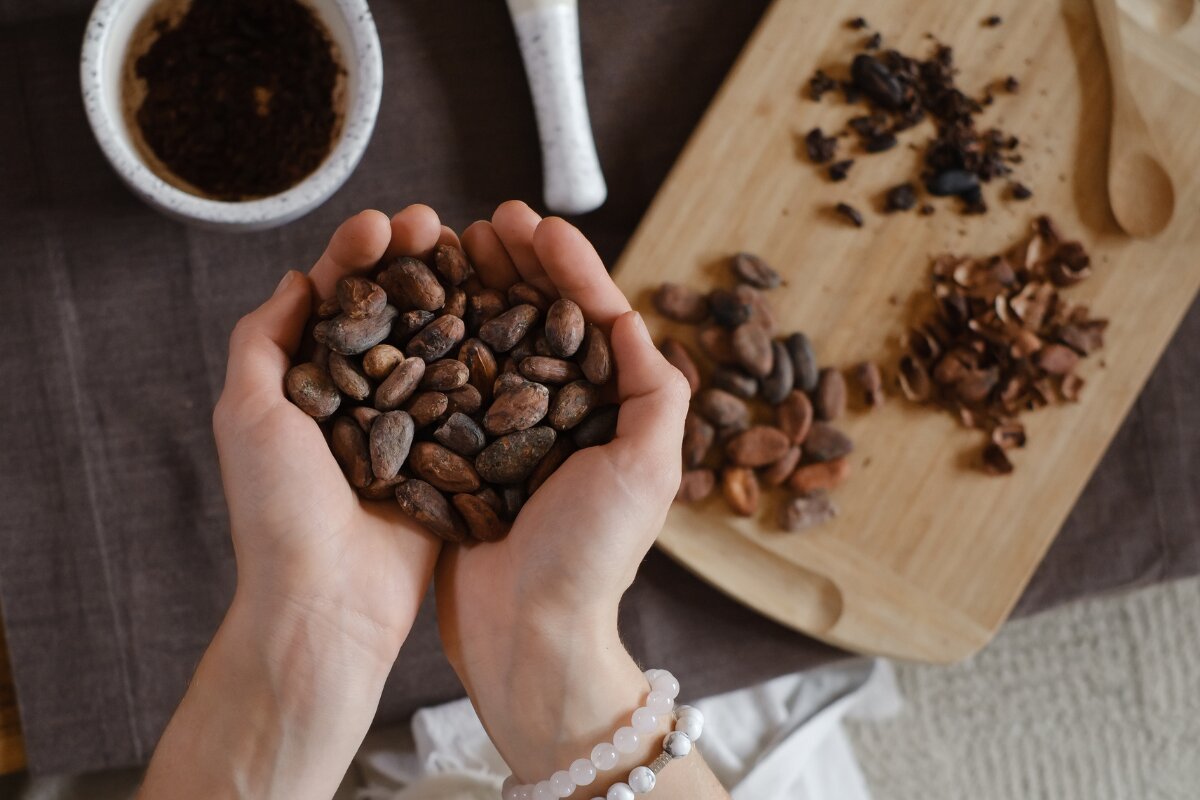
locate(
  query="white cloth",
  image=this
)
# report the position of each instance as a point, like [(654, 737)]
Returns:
[(780, 740)]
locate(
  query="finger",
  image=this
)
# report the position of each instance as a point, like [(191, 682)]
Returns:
[(491, 261), (357, 244), (515, 223), (654, 401), (575, 269), (415, 231), (263, 341)]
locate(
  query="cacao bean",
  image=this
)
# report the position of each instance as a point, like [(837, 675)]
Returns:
[(522, 293), (752, 347), (830, 399), (312, 389), (598, 429), (408, 324), (430, 508), (804, 362), (550, 370), (821, 475), (722, 409), (559, 452), (465, 399), (795, 416), (353, 336), (379, 489), (504, 331), (329, 308), (696, 485), (761, 313), (751, 269), (564, 327), (736, 382), (380, 360), (445, 374), (597, 358), (740, 487), (482, 520), (347, 377), (804, 512), (443, 468), (461, 434), (512, 457), (717, 343), (507, 382), (400, 385), (390, 442), (360, 298), (456, 302), (320, 355), (484, 307), (728, 309), (877, 82), (681, 360), (757, 446), (572, 403), (1057, 359), (349, 446), (489, 495), (781, 469), (698, 438), (409, 283), (870, 381), (481, 366), (778, 384), (437, 338), (451, 263), (365, 417), (826, 443), (427, 407), (681, 303), (517, 409)]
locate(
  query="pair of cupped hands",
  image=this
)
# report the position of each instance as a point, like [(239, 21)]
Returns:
[(308, 547)]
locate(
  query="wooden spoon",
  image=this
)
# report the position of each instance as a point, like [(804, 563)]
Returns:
[(1140, 191)]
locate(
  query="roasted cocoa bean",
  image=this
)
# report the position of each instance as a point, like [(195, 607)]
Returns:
[(696, 485), (312, 389), (795, 416), (456, 302), (365, 416), (722, 409), (681, 303), (564, 328), (778, 383), (437, 338), (504, 331), (698, 438), (681, 360), (829, 402), (379, 489), (517, 409), (598, 429), (442, 467), (409, 283), (445, 374), (572, 403), (484, 307), (349, 446), (320, 355), (761, 313), (428, 407), (782, 468), (359, 297), (451, 263), (489, 495), (751, 269), (736, 382), (348, 377), (752, 348), (429, 507), (1057, 359), (597, 357), (728, 309), (826, 443), (390, 441), (550, 370), (740, 487), (870, 382), (409, 324), (757, 446), (400, 385), (716, 343), (554, 458), (821, 475), (804, 362), (465, 399), (353, 336), (481, 366), (522, 293), (461, 434), (483, 522), (512, 457), (329, 308), (807, 511), (380, 360), (506, 382)]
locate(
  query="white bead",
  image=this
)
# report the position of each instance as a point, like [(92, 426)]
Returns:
[(562, 784), (690, 727), (626, 740), (659, 703), (525, 792), (544, 791), (665, 682), (620, 791), (651, 674), (641, 780), (511, 789), (689, 711), (645, 721), (605, 756), (677, 745), (582, 771)]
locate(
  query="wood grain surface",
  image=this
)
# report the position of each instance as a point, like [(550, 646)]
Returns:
[(927, 556)]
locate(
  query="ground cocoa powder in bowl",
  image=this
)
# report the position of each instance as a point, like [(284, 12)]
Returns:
[(233, 100)]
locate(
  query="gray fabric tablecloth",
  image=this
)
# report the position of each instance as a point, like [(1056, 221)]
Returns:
[(115, 565)]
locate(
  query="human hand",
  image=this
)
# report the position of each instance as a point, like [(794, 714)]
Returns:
[(530, 622)]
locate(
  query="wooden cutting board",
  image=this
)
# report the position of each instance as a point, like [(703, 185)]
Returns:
[(927, 556)]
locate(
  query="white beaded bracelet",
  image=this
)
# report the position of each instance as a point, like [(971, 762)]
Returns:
[(689, 724), (664, 688)]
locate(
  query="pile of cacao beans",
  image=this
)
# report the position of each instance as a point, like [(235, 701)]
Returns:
[(762, 407), (456, 399)]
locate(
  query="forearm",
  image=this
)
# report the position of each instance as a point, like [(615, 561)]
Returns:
[(277, 708)]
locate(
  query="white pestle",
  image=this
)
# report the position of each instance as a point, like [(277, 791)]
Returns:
[(548, 33)]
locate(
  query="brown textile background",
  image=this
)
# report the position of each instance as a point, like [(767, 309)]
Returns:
[(114, 560)]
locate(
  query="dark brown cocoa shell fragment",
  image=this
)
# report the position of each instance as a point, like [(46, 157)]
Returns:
[(429, 507), (681, 303), (380, 489), (427, 408), (826, 443), (782, 468), (513, 499), (597, 358), (451, 264), (757, 446), (823, 475), (736, 382), (360, 297), (512, 457), (348, 377), (722, 409), (554, 458), (365, 416), (804, 362), (465, 399), (456, 302), (400, 385), (483, 307), (598, 429), (717, 343), (696, 485), (870, 383), (777, 385), (795, 416), (550, 370), (682, 360), (380, 360), (353, 336), (390, 442), (753, 270), (752, 348), (312, 390), (443, 468), (481, 366), (517, 409), (409, 324), (698, 438), (914, 379), (504, 331), (1057, 359), (740, 487), (437, 338), (564, 327), (807, 511), (572, 404), (445, 374), (349, 446), (482, 520), (522, 293), (409, 283), (829, 401), (461, 434)]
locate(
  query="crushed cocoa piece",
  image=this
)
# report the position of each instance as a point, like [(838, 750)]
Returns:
[(820, 147), (839, 169), (852, 214)]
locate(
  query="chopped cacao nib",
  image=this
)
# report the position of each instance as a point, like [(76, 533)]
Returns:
[(900, 198), (839, 169), (1021, 192), (993, 21), (926, 210), (852, 214), (819, 84), (874, 42), (857, 24), (877, 144), (819, 146), (1011, 84)]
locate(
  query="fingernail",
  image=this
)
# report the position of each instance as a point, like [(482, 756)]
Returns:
[(286, 281), (639, 325)]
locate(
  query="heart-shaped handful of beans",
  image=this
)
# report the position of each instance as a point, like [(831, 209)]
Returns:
[(456, 399)]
